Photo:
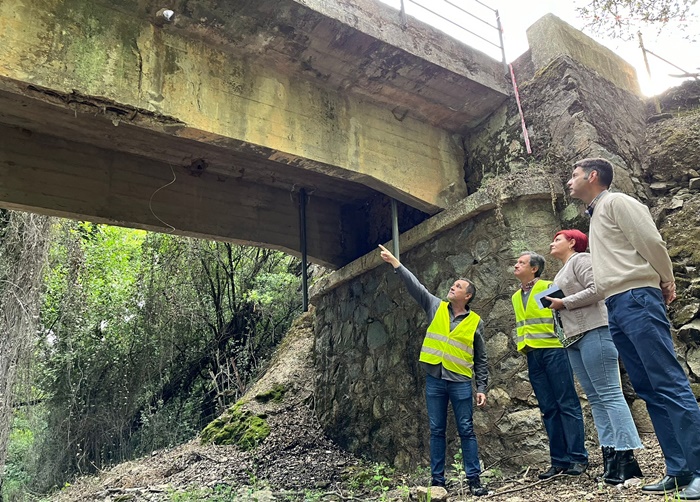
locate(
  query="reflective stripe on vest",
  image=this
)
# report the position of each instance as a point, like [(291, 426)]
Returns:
[(535, 326), (453, 349)]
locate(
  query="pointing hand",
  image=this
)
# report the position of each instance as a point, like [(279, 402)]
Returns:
[(388, 257)]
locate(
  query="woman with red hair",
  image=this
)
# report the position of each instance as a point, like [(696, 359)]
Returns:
[(593, 356)]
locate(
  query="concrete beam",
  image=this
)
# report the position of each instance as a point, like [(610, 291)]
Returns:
[(269, 77), (359, 47), (57, 177), (439, 79)]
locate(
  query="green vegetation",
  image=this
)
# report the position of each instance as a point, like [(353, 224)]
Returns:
[(238, 427), (218, 493), (276, 394), (18, 464), (458, 473), (142, 340), (377, 478)]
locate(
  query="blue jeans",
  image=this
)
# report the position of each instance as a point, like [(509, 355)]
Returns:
[(594, 361), (641, 332), (553, 383), (438, 393)]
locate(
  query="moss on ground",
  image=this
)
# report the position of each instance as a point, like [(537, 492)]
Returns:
[(276, 394), (237, 427)]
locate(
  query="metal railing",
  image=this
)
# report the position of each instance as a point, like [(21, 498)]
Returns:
[(435, 12)]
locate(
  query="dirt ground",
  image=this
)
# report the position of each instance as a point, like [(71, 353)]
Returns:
[(297, 462)]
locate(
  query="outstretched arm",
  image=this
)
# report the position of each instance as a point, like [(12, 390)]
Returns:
[(425, 299)]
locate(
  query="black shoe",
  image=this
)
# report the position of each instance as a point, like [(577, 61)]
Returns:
[(553, 471), (690, 492), (669, 484), (576, 469), (435, 482), (476, 489), (623, 467)]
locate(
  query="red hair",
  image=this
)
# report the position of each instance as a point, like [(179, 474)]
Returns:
[(581, 241)]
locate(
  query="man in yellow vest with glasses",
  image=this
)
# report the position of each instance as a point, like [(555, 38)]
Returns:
[(549, 371), (453, 353)]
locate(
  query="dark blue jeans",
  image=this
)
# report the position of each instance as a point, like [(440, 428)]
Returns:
[(438, 393), (553, 383), (642, 335)]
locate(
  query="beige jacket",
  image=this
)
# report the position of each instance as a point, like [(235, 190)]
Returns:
[(584, 307), (627, 249)]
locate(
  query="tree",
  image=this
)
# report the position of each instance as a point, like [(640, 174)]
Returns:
[(23, 246), (147, 337), (621, 18)]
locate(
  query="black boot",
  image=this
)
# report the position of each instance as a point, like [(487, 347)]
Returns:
[(608, 455), (623, 467)]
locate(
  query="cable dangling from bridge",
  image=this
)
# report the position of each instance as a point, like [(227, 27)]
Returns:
[(520, 110)]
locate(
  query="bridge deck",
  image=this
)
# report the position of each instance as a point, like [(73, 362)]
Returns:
[(243, 105)]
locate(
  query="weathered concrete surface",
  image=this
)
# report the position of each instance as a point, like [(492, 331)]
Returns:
[(550, 37), (460, 70), (87, 182), (281, 95)]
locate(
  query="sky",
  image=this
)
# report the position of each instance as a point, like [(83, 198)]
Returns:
[(681, 48)]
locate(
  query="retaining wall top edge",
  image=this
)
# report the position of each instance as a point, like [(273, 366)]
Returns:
[(468, 208)]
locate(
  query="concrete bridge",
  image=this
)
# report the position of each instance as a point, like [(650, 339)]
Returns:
[(210, 121), (211, 125)]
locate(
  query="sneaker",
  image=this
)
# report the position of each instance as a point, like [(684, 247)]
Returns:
[(476, 489), (435, 482)]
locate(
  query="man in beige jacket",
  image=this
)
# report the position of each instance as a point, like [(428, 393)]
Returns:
[(632, 269)]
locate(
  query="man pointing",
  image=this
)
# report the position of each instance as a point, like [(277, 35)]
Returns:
[(453, 353)]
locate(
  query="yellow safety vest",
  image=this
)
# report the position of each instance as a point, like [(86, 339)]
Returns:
[(535, 326), (453, 349)]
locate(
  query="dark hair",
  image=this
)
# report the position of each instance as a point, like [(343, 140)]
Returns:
[(471, 289), (578, 236), (601, 166), (536, 260)]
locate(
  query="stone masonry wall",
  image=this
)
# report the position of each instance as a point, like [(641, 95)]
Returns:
[(571, 113), (369, 388), (671, 168)]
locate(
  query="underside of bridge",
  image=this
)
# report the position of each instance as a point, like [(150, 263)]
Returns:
[(211, 123)]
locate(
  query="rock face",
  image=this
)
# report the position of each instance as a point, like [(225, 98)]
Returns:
[(369, 387), (571, 113), (673, 156)]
